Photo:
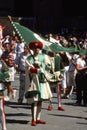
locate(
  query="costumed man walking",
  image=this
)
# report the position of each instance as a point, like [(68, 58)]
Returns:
[(3, 76), (56, 80), (37, 87)]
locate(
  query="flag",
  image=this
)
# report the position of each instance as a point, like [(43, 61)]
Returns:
[(27, 35), (82, 52), (57, 48)]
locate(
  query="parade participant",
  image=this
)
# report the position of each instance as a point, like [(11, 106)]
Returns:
[(56, 80), (3, 75), (36, 64)]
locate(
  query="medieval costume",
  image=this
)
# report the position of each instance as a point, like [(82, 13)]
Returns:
[(56, 79), (37, 86), (3, 76)]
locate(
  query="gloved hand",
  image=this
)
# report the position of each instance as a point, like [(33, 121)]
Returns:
[(37, 64), (40, 71)]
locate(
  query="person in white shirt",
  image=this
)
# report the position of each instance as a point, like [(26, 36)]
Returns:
[(81, 80)]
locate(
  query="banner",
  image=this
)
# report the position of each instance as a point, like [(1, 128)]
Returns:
[(28, 36)]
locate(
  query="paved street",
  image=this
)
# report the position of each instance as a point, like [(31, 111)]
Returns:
[(19, 116)]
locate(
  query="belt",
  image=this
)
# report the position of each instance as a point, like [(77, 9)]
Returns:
[(71, 71), (22, 71)]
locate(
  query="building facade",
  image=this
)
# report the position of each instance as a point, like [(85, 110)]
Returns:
[(7, 7)]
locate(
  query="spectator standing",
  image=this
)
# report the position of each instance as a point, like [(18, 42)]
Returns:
[(71, 73), (8, 57), (81, 80), (20, 66), (65, 66)]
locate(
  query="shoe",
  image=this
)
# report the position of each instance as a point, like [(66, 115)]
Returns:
[(77, 104), (61, 108), (40, 122), (64, 97), (85, 104), (67, 96), (4, 129), (7, 98), (14, 94), (33, 123), (50, 108), (20, 101)]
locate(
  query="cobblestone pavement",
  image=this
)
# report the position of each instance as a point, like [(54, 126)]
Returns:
[(19, 116)]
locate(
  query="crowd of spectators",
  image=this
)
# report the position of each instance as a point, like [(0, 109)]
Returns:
[(12, 48)]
